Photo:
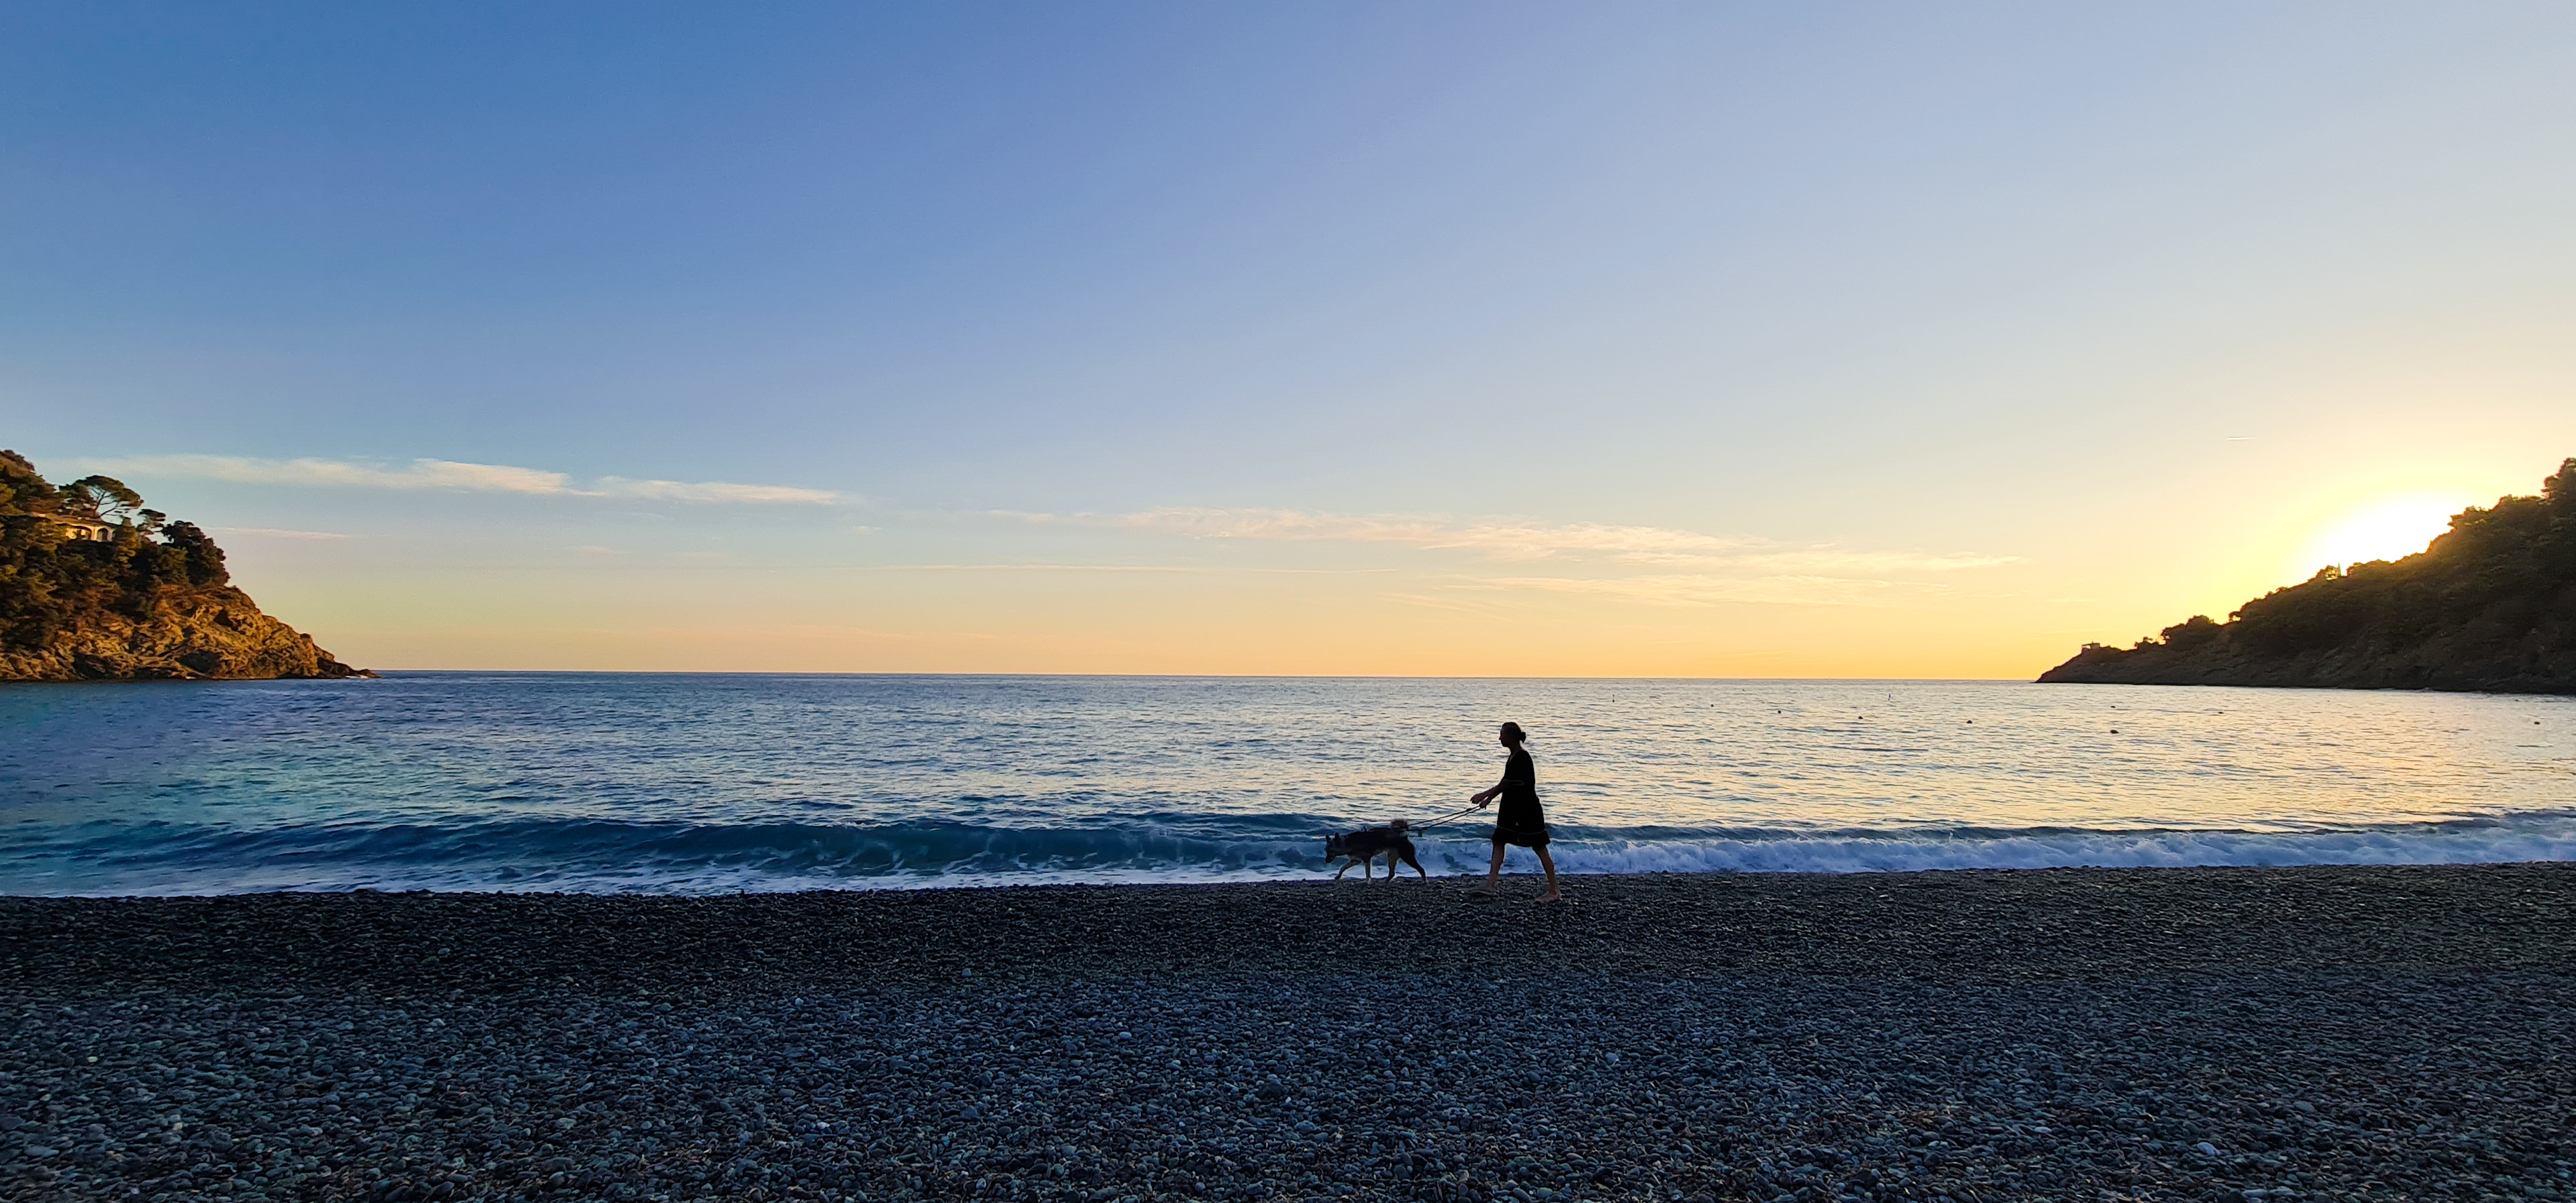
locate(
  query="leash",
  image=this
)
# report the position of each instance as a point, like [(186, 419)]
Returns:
[(1442, 819)]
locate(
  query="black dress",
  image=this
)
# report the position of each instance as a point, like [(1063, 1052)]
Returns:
[(1519, 820)]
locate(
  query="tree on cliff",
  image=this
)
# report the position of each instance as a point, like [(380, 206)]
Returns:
[(107, 499), (2490, 604), (48, 582)]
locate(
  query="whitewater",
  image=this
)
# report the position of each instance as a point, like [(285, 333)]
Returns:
[(722, 783)]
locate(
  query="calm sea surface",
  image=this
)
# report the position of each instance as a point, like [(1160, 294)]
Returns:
[(619, 782)]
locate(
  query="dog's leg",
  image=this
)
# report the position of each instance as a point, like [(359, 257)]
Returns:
[(1407, 851), (1368, 867), (1390, 866), (1346, 867)]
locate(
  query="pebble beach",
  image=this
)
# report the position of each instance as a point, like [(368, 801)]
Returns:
[(2376, 1032)]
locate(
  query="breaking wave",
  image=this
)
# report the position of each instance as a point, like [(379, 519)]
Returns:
[(625, 856)]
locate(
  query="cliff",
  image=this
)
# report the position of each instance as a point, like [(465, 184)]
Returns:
[(95, 587), (2490, 605)]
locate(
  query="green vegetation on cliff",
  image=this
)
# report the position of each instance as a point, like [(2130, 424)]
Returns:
[(93, 586), (2490, 605)]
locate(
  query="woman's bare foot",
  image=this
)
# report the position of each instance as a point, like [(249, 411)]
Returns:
[(1550, 896), (1486, 891)]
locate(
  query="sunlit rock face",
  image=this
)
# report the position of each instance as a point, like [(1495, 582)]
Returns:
[(215, 634)]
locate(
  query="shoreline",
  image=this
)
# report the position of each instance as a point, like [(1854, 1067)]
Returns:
[(1975, 1034), (2523, 837)]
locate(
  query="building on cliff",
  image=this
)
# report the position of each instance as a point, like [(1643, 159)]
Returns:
[(89, 529)]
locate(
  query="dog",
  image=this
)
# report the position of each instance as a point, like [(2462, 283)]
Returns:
[(1364, 846)]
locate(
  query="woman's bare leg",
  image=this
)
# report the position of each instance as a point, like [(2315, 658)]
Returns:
[(1493, 873), (1548, 863)]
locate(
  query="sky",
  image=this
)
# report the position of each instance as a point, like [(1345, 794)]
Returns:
[(1489, 339)]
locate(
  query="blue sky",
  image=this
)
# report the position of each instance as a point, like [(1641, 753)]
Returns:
[(1870, 340)]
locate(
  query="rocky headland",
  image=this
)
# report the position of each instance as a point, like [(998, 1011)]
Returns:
[(2490, 606), (95, 587)]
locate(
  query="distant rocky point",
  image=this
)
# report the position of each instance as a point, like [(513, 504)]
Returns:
[(94, 587), (2490, 606)]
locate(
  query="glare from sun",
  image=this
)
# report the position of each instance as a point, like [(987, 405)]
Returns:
[(2387, 529)]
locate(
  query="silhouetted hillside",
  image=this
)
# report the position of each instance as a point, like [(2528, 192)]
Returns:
[(95, 587), (2491, 605)]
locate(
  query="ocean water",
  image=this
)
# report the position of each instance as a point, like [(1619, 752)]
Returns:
[(695, 784)]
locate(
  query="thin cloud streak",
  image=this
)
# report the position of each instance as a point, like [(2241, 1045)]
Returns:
[(1509, 540), (1827, 558), (456, 476), (270, 532), (710, 492), (1712, 591), (1522, 540), (1207, 569)]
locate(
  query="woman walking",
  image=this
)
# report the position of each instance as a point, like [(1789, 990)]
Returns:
[(1520, 821)]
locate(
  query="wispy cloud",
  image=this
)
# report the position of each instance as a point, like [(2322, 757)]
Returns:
[(713, 492), (1826, 558), (454, 475), (1647, 565), (1201, 569), (418, 474), (270, 532), (1713, 590), (1510, 539), (1507, 539)]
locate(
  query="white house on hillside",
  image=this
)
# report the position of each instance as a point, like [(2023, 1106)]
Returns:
[(90, 529)]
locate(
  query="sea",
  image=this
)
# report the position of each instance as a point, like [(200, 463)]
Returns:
[(702, 784)]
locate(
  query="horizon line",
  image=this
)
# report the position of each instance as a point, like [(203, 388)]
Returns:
[(743, 672)]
